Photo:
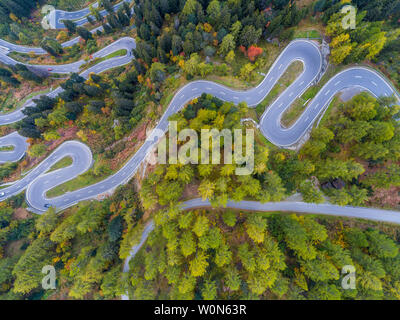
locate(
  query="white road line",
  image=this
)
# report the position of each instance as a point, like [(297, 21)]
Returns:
[(374, 83), (337, 83), (280, 67), (327, 92)]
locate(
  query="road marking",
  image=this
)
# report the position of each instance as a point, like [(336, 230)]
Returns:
[(337, 83), (272, 78), (316, 106), (358, 77), (280, 105), (208, 88), (223, 93), (306, 119), (374, 83), (327, 92), (182, 96), (261, 91), (301, 83), (194, 89), (236, 98), (290, 94), (280, 67)]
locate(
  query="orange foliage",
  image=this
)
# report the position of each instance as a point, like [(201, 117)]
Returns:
[(253, 52), (106, 110)]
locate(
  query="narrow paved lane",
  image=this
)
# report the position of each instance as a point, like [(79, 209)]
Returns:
[(390, 216), (284, 206)]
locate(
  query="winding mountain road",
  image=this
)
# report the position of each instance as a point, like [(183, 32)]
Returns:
[(126, 43), (122, 43), (299, 50), (38, 181), (12, 47), (56, 17)]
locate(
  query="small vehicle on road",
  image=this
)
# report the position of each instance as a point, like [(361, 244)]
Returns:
[(50, 69), (2, 194), (47, 205)]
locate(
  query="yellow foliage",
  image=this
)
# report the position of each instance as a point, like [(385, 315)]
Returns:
[(82, 135), (13, 17), (280, 157), (207, 27), (342, 38), (62, 36), (338, 54)]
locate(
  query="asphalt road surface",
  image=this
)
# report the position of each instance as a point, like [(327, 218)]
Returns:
[(302, 50), (122, 43), (285, 206), (11, 47), (19, 145), (134, 250), (56, 17), (304, 207)]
